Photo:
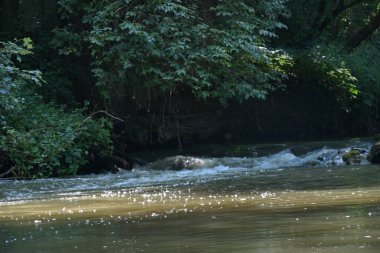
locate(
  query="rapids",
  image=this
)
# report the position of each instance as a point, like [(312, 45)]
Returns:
[(292, 197)]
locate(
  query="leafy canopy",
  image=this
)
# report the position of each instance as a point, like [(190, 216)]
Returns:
[(215, 49)]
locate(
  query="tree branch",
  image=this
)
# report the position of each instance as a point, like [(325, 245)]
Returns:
[(6, 173), (341, 7), (92, 115), (103, 112), (321, 12), (365, 32)]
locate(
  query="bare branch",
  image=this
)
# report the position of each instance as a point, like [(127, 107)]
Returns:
[(106, 113), (365, 32), (341, 7), (6, 173), (99, 112)]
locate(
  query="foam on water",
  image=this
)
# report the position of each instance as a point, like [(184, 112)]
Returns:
[(216, 169)]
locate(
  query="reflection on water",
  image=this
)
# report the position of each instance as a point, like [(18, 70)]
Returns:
[(192, 220), (234, 208), (346, 229)]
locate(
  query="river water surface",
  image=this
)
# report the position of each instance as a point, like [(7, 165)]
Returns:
[(264, 198)]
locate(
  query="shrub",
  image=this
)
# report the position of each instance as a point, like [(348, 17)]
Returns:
[(42, 140)]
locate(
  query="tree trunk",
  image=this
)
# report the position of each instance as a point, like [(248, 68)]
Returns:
[(321, 12), (341, 7), (365, 32)]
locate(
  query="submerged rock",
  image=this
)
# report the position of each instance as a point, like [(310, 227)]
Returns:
[(180, 163), (374, 153)]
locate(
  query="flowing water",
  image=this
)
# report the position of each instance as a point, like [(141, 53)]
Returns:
[(251, 198)]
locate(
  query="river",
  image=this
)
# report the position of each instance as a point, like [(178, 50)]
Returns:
[(287, 197)]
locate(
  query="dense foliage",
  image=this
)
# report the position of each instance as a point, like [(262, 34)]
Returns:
[(346, 33), (215, 49), (159, 64), (41, 140)]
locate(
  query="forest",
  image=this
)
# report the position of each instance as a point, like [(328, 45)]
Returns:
[(90, 80)]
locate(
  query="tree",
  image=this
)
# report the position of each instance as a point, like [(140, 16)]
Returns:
[(215, 49), (366, 31), (345, 21)]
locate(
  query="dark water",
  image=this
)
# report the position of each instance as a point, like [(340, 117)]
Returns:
[(284, 201)]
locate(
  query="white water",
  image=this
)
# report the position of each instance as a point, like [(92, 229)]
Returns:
[(330, 154), (279, 198)]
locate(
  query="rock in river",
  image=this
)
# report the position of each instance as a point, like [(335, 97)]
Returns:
[(355, 156), (181, 162), (374, 153)]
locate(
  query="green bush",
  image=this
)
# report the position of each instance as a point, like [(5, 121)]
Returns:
[(42, 140)]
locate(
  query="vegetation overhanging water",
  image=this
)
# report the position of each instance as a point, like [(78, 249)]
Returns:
[(83, 84)]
